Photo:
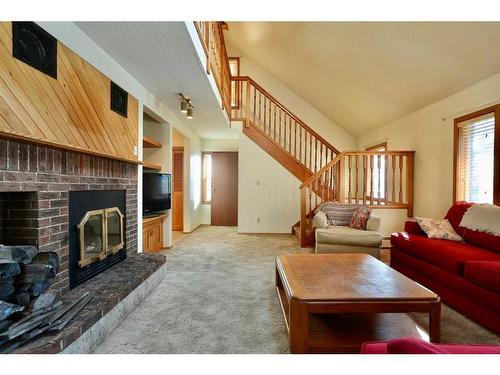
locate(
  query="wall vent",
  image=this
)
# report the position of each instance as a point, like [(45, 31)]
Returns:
[(119, 99)]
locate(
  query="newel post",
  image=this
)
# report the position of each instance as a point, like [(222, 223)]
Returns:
[(410, 159)]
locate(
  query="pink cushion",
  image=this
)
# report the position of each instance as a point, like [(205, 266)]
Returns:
[(485, 274), (413, 345), (360, 217)]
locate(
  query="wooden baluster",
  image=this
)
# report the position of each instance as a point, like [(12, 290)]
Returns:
[(300, 144), (371, 179), (349, 166), (365, 177), (379, 193), (247, 112), (400, 179), (279, 128), (356, 190), (294, 138), (409, 183), (310, 151), (254, 104), (289, 135), (386, 188), (393, 165), (261, 125), (274, 121), (265, 113)]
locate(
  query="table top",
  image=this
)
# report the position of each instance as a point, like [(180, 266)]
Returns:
[(346, 277)]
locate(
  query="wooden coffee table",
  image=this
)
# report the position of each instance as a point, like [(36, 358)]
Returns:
[(332, 303)]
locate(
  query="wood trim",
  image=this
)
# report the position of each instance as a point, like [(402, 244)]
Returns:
[(495, 109), (148, 165), (377, 146), (150, 143)]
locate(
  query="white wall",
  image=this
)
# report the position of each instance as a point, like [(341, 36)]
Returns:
[(162, 156), (328, 129), (75, 39), (266, 191), (429, 132)]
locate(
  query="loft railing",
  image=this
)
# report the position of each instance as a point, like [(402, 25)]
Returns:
[(212, 39), (378, 179), (257, 108)]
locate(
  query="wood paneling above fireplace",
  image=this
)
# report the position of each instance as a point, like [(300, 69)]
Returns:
[(72, 112)]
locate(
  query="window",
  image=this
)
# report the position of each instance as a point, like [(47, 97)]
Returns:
[(234, 67), (477, 159), (381, 147), (207, 178)]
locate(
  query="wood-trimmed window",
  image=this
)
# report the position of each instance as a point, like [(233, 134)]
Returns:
[(477, 156), (206, 178), (234, 68)]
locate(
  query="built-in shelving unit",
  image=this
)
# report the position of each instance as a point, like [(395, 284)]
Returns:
[(150, 143), (148, 165)]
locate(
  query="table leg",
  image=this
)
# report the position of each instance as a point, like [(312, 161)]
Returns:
[(299, 326), (435, 322)]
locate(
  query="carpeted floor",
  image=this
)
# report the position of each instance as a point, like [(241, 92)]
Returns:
[(219, 297)]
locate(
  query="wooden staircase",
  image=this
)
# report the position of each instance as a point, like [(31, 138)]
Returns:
[(377, 179)]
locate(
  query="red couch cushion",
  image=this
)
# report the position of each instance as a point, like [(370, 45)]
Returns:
[(448, 255), (485, 274), (481, 239), (407, 343), (413, 345)]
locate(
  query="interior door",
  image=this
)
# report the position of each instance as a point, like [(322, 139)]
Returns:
[(224, 209), (178, 188)]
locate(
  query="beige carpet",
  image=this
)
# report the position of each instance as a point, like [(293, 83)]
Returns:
[(219, 297)]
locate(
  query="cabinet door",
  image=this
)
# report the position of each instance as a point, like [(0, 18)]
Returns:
[(156, 237), (146, 245)]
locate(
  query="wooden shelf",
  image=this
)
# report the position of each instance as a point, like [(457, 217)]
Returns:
[(150, 143), (148, 165)]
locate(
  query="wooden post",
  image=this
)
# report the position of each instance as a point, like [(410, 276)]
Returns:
[(299, 326), (303, 216), (409, 182), (247, 116), (435, 321), (341, 178)]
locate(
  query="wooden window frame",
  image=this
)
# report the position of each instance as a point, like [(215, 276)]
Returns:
[(377, 146), (203, 179), (495, 109)]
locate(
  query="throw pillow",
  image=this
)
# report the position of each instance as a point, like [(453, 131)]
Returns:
[(320, 220), (360, 217), (337, 213), (439, 229)]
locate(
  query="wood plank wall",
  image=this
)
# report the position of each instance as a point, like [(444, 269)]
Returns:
[(72, 112)]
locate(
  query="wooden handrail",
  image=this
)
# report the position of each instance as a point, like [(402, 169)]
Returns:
[(285, 109), (382, 179)]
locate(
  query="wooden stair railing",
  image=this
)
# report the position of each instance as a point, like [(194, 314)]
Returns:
[(212, 39), (258, 109), (378, 179)]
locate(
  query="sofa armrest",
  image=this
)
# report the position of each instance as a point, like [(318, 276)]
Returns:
[(412, 227), (320, 220), (373, 224)]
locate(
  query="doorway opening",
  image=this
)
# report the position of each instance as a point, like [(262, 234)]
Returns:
[(177, 181)]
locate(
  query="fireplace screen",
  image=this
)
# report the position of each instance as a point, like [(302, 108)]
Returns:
[(101, 234)]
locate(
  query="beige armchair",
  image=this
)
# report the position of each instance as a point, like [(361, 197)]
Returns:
[(343, 239)]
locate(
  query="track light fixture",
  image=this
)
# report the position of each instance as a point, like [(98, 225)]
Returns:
[(186, 106)]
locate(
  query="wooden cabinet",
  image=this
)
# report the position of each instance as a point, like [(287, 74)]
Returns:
[(152, 234)]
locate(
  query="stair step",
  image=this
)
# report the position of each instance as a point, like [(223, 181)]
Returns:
[(296, 231)]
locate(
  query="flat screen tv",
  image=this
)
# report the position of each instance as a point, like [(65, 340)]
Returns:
[(156, 192)]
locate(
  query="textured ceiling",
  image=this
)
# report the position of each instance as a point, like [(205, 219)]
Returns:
[(162, 57), (365, 75)]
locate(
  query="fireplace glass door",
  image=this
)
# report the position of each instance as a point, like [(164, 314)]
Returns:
[(92, 237), (101, 234), (114, 230)]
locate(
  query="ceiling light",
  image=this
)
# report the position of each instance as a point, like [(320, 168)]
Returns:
[(184, 106), (189, 112)]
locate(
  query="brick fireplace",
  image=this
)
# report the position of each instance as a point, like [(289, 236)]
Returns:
[(35, 182)]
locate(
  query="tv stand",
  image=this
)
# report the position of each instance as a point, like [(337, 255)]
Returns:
[(152, 233)]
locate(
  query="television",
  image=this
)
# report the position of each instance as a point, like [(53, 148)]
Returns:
[(156, 192)]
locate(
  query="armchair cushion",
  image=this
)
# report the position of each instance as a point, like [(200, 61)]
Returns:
[(341, 235)]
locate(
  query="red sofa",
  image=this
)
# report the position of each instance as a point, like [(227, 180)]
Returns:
[(413, 345), (466, 275)]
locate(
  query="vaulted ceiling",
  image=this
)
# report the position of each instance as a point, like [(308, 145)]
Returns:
[(366, 74)]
